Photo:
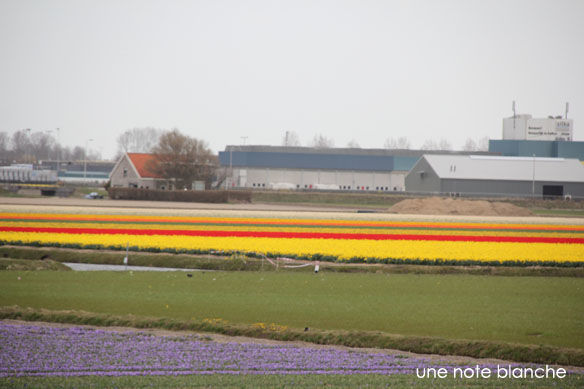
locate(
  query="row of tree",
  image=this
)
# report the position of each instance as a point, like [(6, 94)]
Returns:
[(183, 160), (179, 158), (319, 141), (26, 146)]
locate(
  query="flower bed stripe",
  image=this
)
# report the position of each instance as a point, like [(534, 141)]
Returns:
[(289, 222), (343, 230), (322, 249), (302, 235), (330, 240), (33, 350), (489, 229)]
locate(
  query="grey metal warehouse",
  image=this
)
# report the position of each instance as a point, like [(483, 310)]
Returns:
[(276, 167), (497, 176)]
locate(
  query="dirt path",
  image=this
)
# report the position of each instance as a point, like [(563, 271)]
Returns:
[(135, 204), (82, 206), (450, 206)]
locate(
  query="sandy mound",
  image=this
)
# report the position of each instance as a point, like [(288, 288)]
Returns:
[(450, 206)]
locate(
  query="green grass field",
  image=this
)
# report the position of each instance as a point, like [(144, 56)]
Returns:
[(559, 212), (528, 310)]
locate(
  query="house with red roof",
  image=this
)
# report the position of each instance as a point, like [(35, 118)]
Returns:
[(134, 170)]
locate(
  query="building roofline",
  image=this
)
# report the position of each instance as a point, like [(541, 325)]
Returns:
[(346, 151)]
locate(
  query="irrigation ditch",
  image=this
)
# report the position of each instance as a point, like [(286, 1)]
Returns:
[(42, 258)]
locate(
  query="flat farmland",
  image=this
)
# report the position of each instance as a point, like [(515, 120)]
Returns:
[(529, 310), (334, 237), (520, 318)]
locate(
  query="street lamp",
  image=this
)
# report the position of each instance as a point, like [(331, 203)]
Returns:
[(85, 160), (28, 145), (533, 179), (58, 146)]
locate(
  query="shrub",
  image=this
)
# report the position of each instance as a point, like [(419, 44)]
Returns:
[(206, 196)]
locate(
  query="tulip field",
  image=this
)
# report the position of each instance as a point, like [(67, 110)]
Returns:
[(384, 241), (530, 320)]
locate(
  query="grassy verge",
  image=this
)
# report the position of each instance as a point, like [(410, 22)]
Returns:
[(237, 262), (386, 200), (9, 193), (284, 381), (559, 212), (524, 319), (326, 198), (363, 339), (81, 191), (27, 264), (135, 258)]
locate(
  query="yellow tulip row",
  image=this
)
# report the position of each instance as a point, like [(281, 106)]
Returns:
[(345, 249)]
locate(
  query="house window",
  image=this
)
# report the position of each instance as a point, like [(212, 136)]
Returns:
[(125, 172)]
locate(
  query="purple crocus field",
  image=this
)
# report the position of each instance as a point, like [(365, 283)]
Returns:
[(32, 350)]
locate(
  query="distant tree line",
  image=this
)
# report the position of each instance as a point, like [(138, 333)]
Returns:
[(27, 146), (319, 141), (179, 158)]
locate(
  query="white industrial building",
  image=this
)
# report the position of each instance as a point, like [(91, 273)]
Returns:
[(525, 127), (482, 175), (275, 167), (25, 173)]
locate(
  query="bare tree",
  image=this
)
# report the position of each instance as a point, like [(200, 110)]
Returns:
[(290, 139), (138, 140), (390, 143), (3, 142), (41, 144), (183, 160), (58, 151), (483, 144), (469, 145), (322, 142), (77, 154), (403, 143), (6, 154), (353, 144), (444, 145), (400, 143), (20, 142), (30, 147), (430, 144)]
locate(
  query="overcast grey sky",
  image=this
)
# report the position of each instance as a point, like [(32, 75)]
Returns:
[(220, 70)]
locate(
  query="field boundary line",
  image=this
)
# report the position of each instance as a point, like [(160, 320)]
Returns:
[(540, 354)]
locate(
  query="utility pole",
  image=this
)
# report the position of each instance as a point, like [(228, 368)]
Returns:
[(85, 160), (28, 146), (514, 116), (533, 179), (231, 166), (58, 152)]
